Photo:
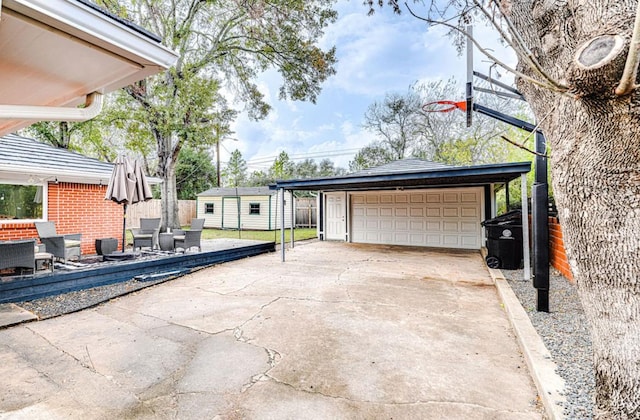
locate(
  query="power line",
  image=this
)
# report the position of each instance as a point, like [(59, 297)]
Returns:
[(308, 155)]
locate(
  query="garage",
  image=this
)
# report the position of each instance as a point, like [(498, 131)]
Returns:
[(410, 202), (444, 218)]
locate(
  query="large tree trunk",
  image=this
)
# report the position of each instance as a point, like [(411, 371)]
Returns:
[(595, 139), (167, 171)]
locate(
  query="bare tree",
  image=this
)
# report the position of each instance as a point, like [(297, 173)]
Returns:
[(577, 67)]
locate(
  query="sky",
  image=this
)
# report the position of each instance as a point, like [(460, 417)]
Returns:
[(377, 54)]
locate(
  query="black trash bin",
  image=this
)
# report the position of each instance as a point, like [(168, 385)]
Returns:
[(504, 241)]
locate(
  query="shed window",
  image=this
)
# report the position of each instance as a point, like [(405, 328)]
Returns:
[(208, 208), (254, 208), (20, 201)]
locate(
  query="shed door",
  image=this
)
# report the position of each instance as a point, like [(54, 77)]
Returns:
[(447, 218), (335, 228), (230, 213)]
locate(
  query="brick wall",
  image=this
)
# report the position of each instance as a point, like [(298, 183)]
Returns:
[(75, 208), (557, 254)]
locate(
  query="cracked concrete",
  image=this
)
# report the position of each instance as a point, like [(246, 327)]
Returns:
[(338, 331)]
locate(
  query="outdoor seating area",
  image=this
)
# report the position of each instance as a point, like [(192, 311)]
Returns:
[(23, 257), (147, 234), (18, 255), (63, 247), (186, 239)]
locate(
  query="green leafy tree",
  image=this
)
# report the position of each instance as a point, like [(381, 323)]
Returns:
[(235, 172), (219, 42), (259, 179), (307, 168), (283, 167), (326, 168), (405, 128), (375, 154), (195, 173)]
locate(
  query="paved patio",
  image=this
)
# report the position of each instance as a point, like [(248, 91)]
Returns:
[(338, 331)]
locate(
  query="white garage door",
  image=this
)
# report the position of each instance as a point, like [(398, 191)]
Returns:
[(448, 218)]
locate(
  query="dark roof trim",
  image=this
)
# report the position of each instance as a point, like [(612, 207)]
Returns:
[(454, 176), (237, 192), (123, 21)]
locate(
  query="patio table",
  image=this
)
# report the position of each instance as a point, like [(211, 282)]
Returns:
[(44, 257), (166, 241)]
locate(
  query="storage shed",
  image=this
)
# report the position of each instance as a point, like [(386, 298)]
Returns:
[(246, 208)]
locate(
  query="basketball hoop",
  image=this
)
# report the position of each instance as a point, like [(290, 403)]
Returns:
[(444, 106)]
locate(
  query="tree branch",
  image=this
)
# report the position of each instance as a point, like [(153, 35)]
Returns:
[(494, 58), (528, 55), (628, 79), (522, 147)]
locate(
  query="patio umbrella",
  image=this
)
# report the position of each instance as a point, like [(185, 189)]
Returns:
[(128, 185)]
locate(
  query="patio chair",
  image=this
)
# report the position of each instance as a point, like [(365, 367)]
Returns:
[(187, 239), (18, 255), (147, 234), (62, 247)]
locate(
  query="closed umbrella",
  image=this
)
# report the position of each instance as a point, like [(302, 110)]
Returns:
[(128, 185)]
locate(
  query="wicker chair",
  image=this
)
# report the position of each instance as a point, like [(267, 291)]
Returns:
[(146, 234), (186, 239), (18, 255), (62, 247)]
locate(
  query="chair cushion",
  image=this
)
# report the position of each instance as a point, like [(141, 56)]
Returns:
[(144, 236), (71, 243), (178, 238)]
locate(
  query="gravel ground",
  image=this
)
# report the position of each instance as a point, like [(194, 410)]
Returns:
[(51, 306), (564, 332)]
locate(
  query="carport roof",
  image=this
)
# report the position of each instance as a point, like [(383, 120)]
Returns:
[(412, 173)]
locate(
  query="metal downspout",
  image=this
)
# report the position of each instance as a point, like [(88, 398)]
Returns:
[(92, 107)]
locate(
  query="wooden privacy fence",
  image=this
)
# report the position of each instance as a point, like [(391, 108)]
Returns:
[(306, 213), (153, 208)]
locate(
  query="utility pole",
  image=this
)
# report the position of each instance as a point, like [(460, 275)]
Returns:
[(217, 130)]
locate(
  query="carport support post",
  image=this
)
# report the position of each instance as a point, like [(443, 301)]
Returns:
[(525, 228), (283, 243), (540, 226), (293, 220)]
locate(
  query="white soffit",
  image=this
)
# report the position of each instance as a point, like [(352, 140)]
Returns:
[(55, 52)]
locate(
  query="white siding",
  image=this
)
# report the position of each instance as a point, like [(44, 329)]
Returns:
[(225, 212), (448, 218)]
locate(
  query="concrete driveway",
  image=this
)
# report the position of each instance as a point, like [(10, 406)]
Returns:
[(338, 331)]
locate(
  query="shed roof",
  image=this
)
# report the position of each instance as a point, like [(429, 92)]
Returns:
[(412, 173), (24, 157), (239, 191)]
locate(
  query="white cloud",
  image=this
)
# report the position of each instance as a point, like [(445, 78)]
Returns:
[(377, 54)]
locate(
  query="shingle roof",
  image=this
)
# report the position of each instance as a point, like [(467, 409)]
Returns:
[(125, 22), (22, 155), (240, 191), (411, 173), (404, 166)]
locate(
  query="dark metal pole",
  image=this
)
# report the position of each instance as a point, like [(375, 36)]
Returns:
[(124, 225), (506, 195), (539, 207), (540, 226)]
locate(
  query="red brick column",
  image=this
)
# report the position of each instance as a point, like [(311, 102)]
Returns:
[(557, 254)]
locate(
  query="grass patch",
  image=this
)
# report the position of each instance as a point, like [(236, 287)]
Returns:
[(299, 234)]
